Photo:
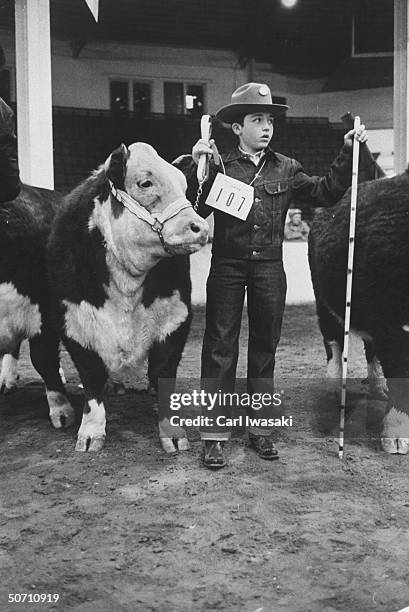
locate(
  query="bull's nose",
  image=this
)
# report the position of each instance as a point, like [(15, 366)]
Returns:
[(195, 228)]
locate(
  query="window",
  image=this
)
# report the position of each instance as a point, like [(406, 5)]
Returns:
[(194, 100), (183, 99), (141, 98), (173, 98), (119, 96), (138, 101)]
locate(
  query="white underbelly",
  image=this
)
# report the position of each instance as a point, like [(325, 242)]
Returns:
[(122, 336), (19, 318)]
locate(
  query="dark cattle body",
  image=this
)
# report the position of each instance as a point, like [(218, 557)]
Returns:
[(99, 278), (380, 290), (24, 298)]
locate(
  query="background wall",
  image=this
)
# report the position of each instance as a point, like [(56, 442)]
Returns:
[(84, 83)]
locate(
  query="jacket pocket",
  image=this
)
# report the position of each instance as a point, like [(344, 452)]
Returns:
[(279, 193), (276, 187)]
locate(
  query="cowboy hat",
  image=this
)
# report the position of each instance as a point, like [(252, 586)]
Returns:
[(250, 98)]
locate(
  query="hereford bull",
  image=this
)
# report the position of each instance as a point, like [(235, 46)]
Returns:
[(380, 290), (112, 230)]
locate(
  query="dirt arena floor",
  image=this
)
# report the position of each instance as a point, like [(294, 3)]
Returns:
[(133, 529)]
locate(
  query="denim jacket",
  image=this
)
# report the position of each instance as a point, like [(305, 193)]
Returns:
[(281, 181)]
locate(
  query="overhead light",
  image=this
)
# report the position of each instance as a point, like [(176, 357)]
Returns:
[(289, 3)]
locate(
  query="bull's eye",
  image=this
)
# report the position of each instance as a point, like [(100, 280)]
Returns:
[(144, 184)]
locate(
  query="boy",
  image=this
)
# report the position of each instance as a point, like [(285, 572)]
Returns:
[(247, 254)]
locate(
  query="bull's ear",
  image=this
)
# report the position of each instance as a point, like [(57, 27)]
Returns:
[(115, 166)]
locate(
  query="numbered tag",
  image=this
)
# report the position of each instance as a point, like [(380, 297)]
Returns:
[(231, 196)]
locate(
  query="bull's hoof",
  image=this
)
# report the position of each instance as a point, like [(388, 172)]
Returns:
[(395, 446), (173, 445), (63, 416), (85, 444), (61, 412), (395, 434), (172, 437)]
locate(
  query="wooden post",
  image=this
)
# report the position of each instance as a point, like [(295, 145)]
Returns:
[(34, 95), (401, 87)]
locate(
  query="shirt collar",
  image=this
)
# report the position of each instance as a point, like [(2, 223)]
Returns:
[(254, 157), (237, 154)]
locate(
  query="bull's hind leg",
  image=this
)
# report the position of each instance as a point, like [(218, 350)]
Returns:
[(93, 374), (333, 338), (378, 388), (394, 356), (44, 353), (9, 371), (164, 358)]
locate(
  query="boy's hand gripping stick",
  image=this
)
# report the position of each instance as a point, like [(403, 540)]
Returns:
[(203, 165)]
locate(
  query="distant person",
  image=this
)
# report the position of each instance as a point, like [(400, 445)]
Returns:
[(296, 228), (9, 172)]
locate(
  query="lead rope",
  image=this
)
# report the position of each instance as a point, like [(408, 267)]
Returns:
[(218, 162), (199, 194), (257, 173), (350, 269), (203, 165)]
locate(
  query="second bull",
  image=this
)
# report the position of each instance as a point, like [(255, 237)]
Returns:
[(380, 290)]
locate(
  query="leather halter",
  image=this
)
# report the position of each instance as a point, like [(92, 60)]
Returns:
[(156, 223)]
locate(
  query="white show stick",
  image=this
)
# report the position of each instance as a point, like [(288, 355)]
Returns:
[(350, 269)]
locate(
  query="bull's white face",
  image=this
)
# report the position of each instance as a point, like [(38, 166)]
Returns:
[(154, 184)]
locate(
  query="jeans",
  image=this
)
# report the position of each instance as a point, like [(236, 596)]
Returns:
[(266, 291)]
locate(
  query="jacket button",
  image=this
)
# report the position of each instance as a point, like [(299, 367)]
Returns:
[(256, 227), (257, 200), (256, 253)]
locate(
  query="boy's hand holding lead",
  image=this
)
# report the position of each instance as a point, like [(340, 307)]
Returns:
[(359, 134), (202, 147)]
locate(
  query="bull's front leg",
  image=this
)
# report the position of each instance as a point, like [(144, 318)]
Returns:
[(44, 354), (378, 388), (164, 358), (94, 375), (9, 371)]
